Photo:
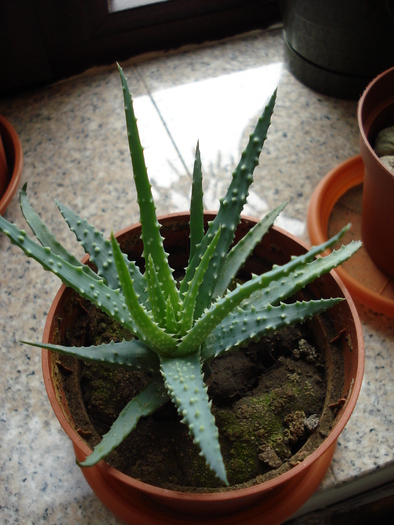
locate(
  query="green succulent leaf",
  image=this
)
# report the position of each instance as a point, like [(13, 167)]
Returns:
[(171, 321), (44, 235), (100, 252), (147, 329), (189, 300), (285, 281), (125, 354), (78, 278), (184, 382), (153, 241), (241, 251), (215, 314), (245, 325), (145, 403), (196, 206), (229, 212), (156, 299), (260, 285)]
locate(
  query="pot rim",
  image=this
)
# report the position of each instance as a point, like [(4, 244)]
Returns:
[(364, 122), (340, 422), (12, 138)]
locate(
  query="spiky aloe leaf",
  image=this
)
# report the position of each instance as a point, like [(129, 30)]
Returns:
[(229, 212), (156, 299), (100, 252), (280, 289), (245, 325), (145, 403), (215, 315), (43, 234), (78, 278), (184, 382), (196, 206), (241, 251), (146, 328), (171, 321), (150, 227), (284, 281), (189, 301), (125, 354), (290, 284)]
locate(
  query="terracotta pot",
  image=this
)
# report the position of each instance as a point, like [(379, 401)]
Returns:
[(375, 112), (11, 163), (272, 501)]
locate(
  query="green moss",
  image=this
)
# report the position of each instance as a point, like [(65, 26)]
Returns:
[(255, 423), (278, 442), (101, 391), (242, 464)]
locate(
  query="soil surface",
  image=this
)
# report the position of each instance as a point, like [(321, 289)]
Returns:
[(270, 400)]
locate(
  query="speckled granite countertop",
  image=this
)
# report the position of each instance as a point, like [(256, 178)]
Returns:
[(75, 148)]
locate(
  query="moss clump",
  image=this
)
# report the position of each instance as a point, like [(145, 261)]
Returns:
[(260, 432)]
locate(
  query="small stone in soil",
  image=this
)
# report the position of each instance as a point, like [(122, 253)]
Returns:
[(269, 456), (312, 422)]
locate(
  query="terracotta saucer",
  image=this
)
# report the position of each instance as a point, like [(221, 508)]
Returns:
[(336, 201)]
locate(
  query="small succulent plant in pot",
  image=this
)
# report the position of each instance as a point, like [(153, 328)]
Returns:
[(179, 327)]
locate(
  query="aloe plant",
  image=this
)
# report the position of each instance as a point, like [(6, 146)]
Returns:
[(179, 329)]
